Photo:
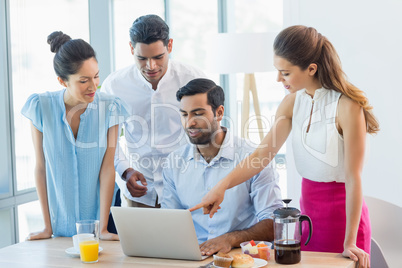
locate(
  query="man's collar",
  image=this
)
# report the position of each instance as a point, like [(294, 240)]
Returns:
[(164, 77), (226, 151)]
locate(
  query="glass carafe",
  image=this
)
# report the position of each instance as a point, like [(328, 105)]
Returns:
[(288, 231)]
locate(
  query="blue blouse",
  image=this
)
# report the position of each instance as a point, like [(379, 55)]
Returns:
[(73, 165)]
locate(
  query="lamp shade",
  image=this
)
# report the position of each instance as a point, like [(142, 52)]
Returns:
[(240, 52)]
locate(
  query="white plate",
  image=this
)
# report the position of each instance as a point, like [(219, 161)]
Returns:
[(71, 251), (259, 262)]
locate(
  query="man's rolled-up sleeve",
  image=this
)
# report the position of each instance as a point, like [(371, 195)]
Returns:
[(265, 192)]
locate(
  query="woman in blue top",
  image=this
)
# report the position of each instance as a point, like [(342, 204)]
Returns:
[(74, 133)]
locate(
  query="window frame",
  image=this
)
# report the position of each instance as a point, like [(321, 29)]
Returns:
[(7, 199)]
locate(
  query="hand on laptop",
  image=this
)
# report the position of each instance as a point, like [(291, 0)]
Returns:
[(220, 243), (131, 177)]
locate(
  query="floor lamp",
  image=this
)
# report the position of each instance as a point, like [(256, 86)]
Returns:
[(246, 53), (250, 87)]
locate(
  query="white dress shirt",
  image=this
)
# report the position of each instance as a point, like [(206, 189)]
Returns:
[(154, 129), (188, 177)]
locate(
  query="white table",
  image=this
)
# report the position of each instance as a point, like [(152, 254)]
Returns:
[(51, 253)]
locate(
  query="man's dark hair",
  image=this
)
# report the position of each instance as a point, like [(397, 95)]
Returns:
[(215, 94), (149, 29)]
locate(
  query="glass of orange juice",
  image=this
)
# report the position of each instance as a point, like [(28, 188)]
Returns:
[(89, 244)]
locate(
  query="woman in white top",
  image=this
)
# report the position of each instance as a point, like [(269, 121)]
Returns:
[(330, 118)]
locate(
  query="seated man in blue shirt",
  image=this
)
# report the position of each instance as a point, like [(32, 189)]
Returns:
[(192, 170)]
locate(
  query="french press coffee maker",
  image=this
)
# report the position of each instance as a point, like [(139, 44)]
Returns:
[(288, 231)]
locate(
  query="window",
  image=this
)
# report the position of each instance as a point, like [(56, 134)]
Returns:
[(6, 227), (32, 64), (190, 26), (262, 16), (32, 72), (29, 219), (26, 67)]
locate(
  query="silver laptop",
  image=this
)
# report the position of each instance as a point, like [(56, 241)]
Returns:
[(157, 233)]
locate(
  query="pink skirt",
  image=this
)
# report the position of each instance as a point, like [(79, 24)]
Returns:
[(324, 203)]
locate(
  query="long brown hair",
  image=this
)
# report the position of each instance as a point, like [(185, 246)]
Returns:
[(301, 46)]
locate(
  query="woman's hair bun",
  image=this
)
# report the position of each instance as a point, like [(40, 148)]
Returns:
[(56, 40)]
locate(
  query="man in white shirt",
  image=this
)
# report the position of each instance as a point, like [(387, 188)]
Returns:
[(154, 130), (192, 170)]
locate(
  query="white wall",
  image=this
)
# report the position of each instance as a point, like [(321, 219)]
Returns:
[(368, 37)]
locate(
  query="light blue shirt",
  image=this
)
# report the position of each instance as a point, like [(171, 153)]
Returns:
[(188, 177), (73, 166)]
